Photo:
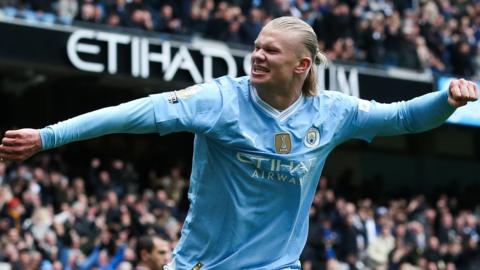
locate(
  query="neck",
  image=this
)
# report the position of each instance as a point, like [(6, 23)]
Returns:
[(279, 99)]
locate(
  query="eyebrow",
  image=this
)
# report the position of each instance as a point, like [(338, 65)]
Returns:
[(268, 44)]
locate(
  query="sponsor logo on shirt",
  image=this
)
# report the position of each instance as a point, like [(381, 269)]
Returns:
[(281, 170), (283, 143)]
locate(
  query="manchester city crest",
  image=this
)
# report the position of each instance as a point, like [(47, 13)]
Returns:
[(312, 138)]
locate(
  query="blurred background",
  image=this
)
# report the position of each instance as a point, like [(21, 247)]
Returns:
[(404, 202)]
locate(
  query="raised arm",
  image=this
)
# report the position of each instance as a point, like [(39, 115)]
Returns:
[(416, 115), (136, 116)]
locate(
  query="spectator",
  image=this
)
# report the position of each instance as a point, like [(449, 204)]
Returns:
[(379, 249), (461, 59), (167, 22), (200, 14), (90, 12), (153, 253), (339, 22), (218, 24), (341, 233), (432, 253), (438, 36), (117, 13), (374, 42), (67, 10), (140, 15), (251, 27)]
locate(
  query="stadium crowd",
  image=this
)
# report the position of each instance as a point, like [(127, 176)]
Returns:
[(106, 219), (438, 36)]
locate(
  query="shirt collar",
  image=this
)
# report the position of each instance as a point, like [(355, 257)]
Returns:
[(280, 115)]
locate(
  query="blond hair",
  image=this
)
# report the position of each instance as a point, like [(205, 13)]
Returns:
[(309, 40)]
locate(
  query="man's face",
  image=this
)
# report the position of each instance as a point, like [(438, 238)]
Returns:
[(160, 255), (274, 59)]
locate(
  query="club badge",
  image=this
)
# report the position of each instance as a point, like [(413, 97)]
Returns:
[(312, 138)]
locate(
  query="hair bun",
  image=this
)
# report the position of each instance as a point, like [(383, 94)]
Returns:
[(321, 59)]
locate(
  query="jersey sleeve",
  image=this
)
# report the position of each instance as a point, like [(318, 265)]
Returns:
[(194, 109), (369, 118), (132, 117)]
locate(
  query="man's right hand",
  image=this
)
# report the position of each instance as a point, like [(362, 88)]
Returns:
[(20, 144)]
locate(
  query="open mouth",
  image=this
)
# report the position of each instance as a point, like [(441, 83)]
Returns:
[(260, 70)]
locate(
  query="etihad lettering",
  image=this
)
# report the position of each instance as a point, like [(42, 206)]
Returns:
[(273, 169), (80, 42), (276, 165), (272, 176), (84, 51)]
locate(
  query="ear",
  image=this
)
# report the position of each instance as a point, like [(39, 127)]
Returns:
[(303, 65), (143, 255)]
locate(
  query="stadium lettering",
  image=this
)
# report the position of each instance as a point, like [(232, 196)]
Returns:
[(85, 44), (338, 81), (80, 42)]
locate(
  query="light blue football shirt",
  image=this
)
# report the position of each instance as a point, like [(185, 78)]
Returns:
[(255, 169)]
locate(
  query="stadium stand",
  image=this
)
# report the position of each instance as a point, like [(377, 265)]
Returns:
[(53, 218), (440, 36)]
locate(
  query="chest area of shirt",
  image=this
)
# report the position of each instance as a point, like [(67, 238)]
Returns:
[(290, 137)]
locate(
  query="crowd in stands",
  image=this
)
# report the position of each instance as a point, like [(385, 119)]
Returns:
[(112, 218), (404, 234), (438, 36), (49, 220)]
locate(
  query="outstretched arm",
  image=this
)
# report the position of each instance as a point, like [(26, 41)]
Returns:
[(416, 115), (136, 116)]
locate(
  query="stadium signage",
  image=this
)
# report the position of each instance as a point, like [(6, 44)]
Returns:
[(152, 60), (141, 56), (84, 50)]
